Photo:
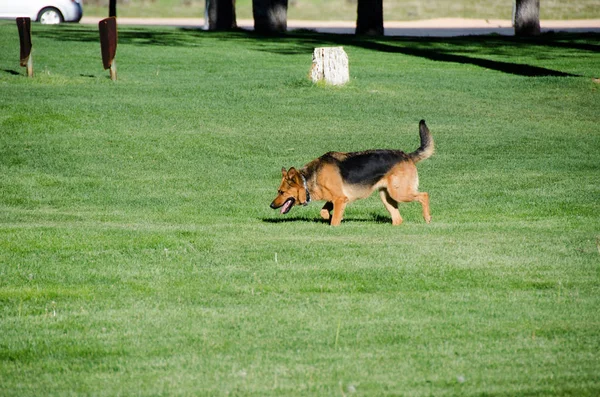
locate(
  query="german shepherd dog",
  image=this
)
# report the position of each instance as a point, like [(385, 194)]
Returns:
[(340, 178)]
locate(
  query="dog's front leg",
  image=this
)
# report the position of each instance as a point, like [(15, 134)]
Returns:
[(325, 211), (338, 211)]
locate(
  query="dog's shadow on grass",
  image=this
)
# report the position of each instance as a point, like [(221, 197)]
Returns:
[(373, 218), (9, 71)]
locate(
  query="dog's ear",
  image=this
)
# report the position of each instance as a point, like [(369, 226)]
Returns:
[(292, 174), (284, 172)]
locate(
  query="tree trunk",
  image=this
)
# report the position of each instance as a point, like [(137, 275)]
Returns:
[(527, 18), (226, 18), (270, 16), (369, 19), (220, 15)]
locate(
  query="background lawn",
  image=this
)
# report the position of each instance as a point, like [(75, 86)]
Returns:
[(393, 10), (138, 254)]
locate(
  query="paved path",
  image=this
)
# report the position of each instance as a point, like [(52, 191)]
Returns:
[(442, 27)]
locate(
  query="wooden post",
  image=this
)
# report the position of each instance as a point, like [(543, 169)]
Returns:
[(108, 44), (112, 8), (24, 27), (330, 64)]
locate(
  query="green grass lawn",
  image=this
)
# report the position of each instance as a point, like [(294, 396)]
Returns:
[(138, 254), (394, 10)]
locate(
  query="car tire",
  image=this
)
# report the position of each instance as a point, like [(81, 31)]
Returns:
[(50, 16)]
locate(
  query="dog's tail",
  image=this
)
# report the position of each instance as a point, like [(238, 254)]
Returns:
[(426, 149)]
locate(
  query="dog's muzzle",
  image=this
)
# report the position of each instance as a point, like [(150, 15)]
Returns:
[(286, 206)]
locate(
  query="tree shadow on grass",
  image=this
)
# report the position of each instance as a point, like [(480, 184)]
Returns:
[(477, 50), (519, 69), (145, 36), (492, 52)]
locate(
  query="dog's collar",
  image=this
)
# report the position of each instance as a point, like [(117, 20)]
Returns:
[(306, 190)]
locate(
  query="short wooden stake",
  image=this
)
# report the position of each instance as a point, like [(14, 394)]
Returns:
[(108, 44), (24, 27), (330, 64)]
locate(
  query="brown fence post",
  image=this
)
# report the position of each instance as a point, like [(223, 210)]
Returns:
[(108, 44), (24, 26)]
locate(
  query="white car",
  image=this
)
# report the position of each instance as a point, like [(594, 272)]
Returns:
[(43, 11)]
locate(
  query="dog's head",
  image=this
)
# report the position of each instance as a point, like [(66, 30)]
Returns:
[(292, 191)]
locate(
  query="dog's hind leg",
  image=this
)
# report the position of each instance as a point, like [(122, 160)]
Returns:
[(392, 206), (423, 198), (339, 206), (402, 186), (326, 210)]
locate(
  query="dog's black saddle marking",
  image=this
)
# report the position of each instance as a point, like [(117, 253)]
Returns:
[(368, 167)]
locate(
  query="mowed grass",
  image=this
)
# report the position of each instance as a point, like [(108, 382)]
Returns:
[(138, 254)]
